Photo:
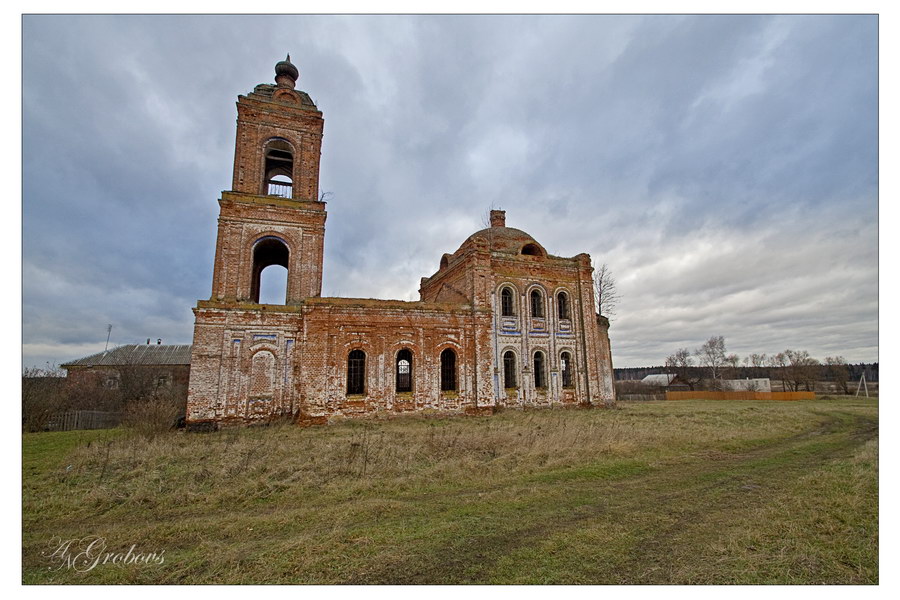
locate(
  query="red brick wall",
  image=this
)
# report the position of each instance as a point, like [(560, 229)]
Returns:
[(251, 362), (244, 220), (261, 119), (307, 346)]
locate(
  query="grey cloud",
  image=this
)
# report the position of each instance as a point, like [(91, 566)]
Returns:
[(724, 167)]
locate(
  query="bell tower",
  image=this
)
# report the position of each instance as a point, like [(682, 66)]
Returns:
[(272, 214)]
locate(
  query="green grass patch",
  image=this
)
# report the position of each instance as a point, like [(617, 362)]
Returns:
[(607, 470), (687, 492)]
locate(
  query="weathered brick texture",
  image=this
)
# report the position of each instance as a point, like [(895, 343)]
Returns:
[(254, 362)]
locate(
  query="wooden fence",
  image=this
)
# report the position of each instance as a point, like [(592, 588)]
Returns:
[(84, 419), (740, 396), (640, 397)]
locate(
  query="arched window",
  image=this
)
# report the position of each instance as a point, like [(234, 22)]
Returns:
[(448, 370), (404, 371), (509, 370), (532, 250), (562, 305), (356, 372), (507, 307), (537, 304), (279, 169), (540, 376), (566, 360), (268, 251)]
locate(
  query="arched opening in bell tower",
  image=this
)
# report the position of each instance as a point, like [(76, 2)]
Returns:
[(267, 252), (273, 285), (279, 168)]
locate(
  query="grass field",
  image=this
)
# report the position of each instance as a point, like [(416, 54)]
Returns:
[(678, 492)]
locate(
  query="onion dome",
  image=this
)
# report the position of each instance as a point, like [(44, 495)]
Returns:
[(286, 74)]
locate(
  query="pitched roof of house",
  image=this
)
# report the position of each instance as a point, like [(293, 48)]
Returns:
[(136, 354), (661, 379)]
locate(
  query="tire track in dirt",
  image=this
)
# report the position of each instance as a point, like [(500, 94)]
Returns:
[(671, 490)]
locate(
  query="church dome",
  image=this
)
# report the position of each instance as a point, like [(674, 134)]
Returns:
[(286, 73), (509, 240), (286, 67)]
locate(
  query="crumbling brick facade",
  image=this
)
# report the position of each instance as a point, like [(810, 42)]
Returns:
[(501, 323)]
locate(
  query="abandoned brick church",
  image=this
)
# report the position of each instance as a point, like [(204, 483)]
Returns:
[(501, 322)]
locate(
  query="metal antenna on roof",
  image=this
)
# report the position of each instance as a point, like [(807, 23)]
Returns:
[(108, 331)]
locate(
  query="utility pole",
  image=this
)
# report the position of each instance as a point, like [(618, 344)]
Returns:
[(862, 383)]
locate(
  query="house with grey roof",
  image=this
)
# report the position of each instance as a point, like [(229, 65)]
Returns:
[(658, 379), (135, 367)]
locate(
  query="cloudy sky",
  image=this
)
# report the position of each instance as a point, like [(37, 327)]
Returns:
[(724, 168)]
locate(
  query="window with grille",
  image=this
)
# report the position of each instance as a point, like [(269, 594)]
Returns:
[(566, 360), (279, 168), (356, 372), (448, 370), (506, 303), (404, 371), (537, 304), (562, 302)]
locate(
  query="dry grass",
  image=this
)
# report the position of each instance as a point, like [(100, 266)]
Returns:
[(683, 492), (153, 416)]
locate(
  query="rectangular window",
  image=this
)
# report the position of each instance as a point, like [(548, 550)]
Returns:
[(566, 370), (506, 303), (404, 371), (356, 372), (448, 371), (540, 378), (509, 370)]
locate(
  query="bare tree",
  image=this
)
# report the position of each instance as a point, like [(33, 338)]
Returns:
[(778, 362), (733, 363), (801, 369), (43, 395), (712, 356), (756, 360), (605, 288), (151, 399), (92, 390), (681, 365), (836, 370), (811, 373)]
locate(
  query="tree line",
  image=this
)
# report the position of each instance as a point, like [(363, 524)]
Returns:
[(856, 370), (796, 369), (710, 363)]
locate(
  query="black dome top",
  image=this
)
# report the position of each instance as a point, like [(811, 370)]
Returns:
[(286, 67)]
